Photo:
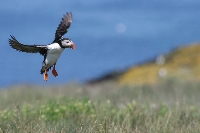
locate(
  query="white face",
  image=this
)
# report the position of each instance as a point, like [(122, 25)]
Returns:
[(67, 43)]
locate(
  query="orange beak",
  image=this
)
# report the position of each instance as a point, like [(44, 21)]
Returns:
[(73, 46)]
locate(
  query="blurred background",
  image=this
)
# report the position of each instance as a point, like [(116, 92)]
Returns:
[(109, 34)]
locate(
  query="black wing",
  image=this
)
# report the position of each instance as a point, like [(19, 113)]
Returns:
[(63, 26), (27, 48)]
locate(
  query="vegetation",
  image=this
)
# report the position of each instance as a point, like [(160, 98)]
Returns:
[(182, 62), (169, 106)]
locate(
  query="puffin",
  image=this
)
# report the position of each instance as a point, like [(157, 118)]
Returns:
[(50, 52)]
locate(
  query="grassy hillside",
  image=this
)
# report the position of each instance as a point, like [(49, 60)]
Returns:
[(170, 107), (181, 63)]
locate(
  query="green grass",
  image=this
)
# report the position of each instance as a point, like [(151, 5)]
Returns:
[(170, 106)]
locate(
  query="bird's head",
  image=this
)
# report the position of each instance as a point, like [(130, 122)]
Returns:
[(67, 43)]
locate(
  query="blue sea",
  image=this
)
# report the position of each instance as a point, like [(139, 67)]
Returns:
[(109, 35)]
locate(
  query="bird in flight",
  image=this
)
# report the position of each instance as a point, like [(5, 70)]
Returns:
[(51, 52)]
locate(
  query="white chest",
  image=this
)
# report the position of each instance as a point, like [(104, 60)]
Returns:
[(53, 53), (54, 49)]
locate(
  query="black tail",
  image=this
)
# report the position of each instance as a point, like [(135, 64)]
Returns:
[(42, 70)]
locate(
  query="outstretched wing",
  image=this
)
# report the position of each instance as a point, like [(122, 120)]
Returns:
[(63, 26), (27, 48)]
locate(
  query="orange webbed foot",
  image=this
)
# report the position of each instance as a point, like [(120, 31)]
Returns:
[(54, 72), (45, 76)]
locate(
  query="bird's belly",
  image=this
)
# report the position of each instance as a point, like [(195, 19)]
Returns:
[(53, 54), (51, 59)]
